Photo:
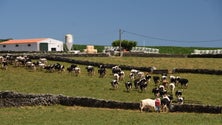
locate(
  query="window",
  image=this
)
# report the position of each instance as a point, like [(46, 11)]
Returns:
[(4, 45), (16, 45), (29, 44)]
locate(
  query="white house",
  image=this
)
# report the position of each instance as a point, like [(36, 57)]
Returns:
[(37, 44)]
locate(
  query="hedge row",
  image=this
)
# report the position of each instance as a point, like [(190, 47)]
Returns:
[(14, 99)]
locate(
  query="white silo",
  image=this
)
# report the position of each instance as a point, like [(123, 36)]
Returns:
[(68, 41)]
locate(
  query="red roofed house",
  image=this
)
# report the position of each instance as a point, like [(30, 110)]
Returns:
[(38, 44)]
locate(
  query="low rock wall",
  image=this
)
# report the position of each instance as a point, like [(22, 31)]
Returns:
[(14, 99)]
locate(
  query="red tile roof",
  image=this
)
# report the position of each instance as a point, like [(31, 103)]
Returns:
[(23, 41)]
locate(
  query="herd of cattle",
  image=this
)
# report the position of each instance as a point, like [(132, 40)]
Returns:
[(164, 85)]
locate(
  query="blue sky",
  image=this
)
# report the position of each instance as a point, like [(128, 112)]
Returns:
[(149, 22)]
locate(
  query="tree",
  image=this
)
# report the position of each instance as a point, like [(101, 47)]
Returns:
[(125, 44)]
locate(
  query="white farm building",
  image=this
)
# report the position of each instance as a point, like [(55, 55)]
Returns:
[(38, 44)]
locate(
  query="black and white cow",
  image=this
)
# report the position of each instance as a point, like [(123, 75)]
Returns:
[(142, 84), (156, 91), (165, 104), (4, 65), (102, 71), (71, 68), (114, 84), (128, 86), (156, 80), (182, 81), (59, 67), (116, 69), (90, 70)]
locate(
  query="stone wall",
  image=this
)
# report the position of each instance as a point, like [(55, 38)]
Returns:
[(14, 99)]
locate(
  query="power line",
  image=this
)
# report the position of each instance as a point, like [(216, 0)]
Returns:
[(170, 40)]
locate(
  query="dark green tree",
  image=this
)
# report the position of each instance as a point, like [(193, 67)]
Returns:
[(125, 44)]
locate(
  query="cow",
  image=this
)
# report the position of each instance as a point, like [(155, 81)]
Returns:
[(59, 67), (116, 76), (142, 84), (156, 80), (71, 68), (182, 81), (172, 87), (136, 83), (77, 71), (102, 71), (114, 84), (49, 68), (165, 104), (43, 60), (180, 100), (121, 75), (90, 70), (178, 93), (147, 104), (4, 65), (156, 91), (128, 86), (172, 79), (116, 69)]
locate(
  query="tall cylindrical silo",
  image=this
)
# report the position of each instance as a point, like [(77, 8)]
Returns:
[(69, 41)]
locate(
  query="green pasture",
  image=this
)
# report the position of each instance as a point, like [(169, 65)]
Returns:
[(202, 88), (159, 62), (61, 115)]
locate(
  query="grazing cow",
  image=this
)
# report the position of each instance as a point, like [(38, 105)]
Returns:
[(121, 75), (156, 91), (77, 71), (172, 87), (90, 70), (140, 75), (180, 100), (128, 85), (4, 65), (136, 83), (142, 84), (182, 81), (147, 77), (102, 71), (114, 84), (59, 67), (178, 93), (156, 80), (71, 68), (116, 69), (43, 60), (49, 68), (165, 104), (147, 104), (172, 79), (116, 76), (131, 76)]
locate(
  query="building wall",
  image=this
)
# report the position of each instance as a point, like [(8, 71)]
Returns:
[(19, 47), (53, 45)]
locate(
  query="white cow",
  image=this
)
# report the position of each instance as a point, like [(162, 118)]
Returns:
[(147, 103), (172, 87)]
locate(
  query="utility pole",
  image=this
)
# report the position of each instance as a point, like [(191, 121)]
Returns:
[(120, 46)]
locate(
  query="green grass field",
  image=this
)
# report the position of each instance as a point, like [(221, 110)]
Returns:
[(203, 88), (61, 115)]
